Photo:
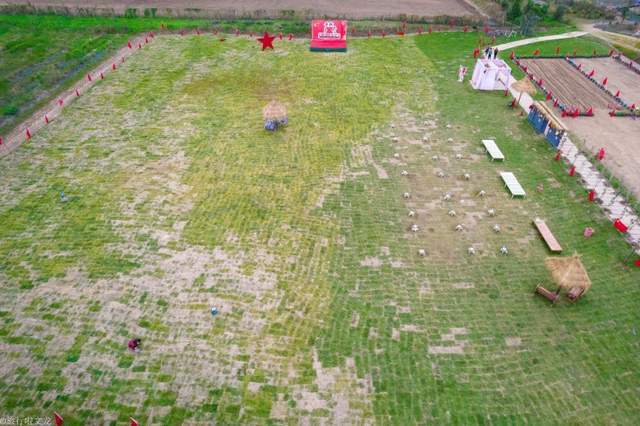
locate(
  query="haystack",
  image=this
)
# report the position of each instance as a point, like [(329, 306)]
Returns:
[(274, 110), (569, 272), (524, 86)]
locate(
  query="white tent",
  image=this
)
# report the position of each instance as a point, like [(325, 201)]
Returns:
[(491, 74)]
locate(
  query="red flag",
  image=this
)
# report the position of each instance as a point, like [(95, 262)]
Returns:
[(604, 82), (637, 263), (617, 95), (383, 34), (77, 93), (400, 33), (601, 154), (572, 171), (133, 422), (620, 226), (60, 101), (290, 36), (555, 102), (46, 119), (592, 73), (579, 67), (89, 77), (549, 96), (540, 82), (57, 418), (146, 40), (0, 140), (28, 134), (101, 76), (139, 46), (129, 44), (633, 107), (113, 66), (513, 103), (592, 195), (557, 50), (589, 111), (558, 154)]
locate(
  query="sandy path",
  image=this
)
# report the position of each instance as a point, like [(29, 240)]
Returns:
[(620, 77), (53, 109), (274, 8), (532, 40)]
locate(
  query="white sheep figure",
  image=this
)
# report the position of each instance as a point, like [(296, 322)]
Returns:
[(396, 155), (496, 228), (467, 176), (459, 227), (447, 197), (471, 251), (414, 228), (448, 126), (440, 174), (491, 212), (406, 195), (435, 158), (458, 156), (404, 173), (393, 126), (452, 213), (450, 140), (504, 250), (412, 213), (425, 138), (395, 139), (482, 193), (422, 252)]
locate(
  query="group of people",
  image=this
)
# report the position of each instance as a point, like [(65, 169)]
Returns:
[(491, 53)]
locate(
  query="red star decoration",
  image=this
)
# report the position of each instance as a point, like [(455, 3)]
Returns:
[(266, 40)]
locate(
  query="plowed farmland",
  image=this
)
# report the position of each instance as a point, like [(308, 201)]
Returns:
[(568, 85), (619, 77)]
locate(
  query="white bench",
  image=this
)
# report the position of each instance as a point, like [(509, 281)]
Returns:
[(493, 150), (512, 183)]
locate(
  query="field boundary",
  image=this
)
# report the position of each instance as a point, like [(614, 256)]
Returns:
[(25, 130)]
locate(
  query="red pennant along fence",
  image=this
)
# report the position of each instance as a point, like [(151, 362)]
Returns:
[(620, 226), (572, 171), (57, 418), (592, 195), (133, 422), (605, 81), (558, 155), (28, 134), (89, 77), (46, 119)]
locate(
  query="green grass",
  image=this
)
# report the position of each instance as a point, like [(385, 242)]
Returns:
[(181, 201)]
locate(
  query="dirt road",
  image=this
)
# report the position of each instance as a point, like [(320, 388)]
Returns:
[(273, 8)]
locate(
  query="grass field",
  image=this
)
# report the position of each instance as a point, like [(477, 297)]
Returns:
[(179, 201)]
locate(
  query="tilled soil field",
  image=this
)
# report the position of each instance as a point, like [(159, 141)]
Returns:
[(568, 85), (619, 77), (272, 8)]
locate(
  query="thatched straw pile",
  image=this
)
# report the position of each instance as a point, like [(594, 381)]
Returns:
[(568, 272)]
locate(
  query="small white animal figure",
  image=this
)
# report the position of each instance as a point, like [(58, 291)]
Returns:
[(471, 251), (459, 228), (396, 155), (414, 228), (406, 195), (412, 213), (440, 174), (422, 252), (448, 126), (450, 140), (491, 212), (496, 228), (504, 250), (435, 158), (447, 197), (425, 138), (405, 173), (467, 176), (395, 139), (482, 193), (393, 126), (458, 156), (452, 213)]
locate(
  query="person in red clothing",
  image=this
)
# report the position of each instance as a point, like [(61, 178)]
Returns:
[(134, 345)]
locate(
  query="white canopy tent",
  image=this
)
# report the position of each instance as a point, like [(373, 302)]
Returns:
[(491, 74)]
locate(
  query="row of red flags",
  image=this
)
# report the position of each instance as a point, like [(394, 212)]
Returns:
[(59, 421)]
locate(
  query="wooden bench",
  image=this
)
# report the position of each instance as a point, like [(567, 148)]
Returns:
[(547, 235), (549, 295)]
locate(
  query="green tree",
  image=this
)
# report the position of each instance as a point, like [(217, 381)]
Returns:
[(515, 11)]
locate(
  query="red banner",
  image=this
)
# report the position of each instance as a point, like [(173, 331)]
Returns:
[(329, 36)]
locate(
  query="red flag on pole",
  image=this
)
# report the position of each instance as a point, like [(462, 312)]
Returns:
[(549, 95), (290, 36), (133, 422), (572, 171), (637, 263), (555, 102), (113, 66), (28, 134), (60, 101), (592, 73), (46, 119), (601, 154), (620, 226), (89, 77), (77, 93), (558, 154), (617, 95), (129, 45), (57, 418), (592, 195), (605, 81)]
